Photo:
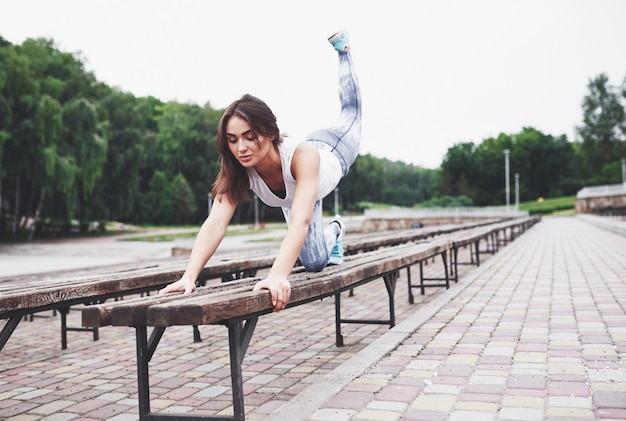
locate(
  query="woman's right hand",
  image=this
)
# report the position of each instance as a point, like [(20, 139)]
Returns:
[(184, 285)]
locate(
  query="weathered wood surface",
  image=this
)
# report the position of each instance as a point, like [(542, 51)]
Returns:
[(215, 304), (41, 293), (38, 292), (371, 241), (133, 310)]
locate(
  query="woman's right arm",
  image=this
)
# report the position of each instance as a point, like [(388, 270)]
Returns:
[(208, 239)]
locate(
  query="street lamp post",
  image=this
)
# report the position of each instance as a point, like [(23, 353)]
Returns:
[(624, 171), (516, 191), (256, 212), (506, 178)]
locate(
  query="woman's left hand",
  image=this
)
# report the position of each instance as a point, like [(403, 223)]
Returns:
[(280, 290)]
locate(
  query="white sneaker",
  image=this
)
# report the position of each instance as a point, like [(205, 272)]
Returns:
[(336, 255), (340, 41)]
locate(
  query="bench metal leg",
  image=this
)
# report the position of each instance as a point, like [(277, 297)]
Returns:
[(491, 244), (145, 351), (408, 277), (446, 278), (422, 287), (474, 251), (454, 263), (143, 384), (338, 335), (239, 336), (63, 311), (496, 243), (8, 330), (390, 279), (246, 273), (444, 257), (477, 252), (196, 334)]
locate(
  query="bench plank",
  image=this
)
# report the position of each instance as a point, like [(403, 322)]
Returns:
[(31, 296), (211, 306)]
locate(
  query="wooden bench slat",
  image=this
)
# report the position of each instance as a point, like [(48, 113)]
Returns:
[(130, 312), (135, 313), (390, 238), (119, 283), (211, 309)]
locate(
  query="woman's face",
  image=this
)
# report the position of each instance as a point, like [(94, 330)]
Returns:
[(245, 145)]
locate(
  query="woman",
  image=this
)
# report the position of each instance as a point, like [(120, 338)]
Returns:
[(284, 172)]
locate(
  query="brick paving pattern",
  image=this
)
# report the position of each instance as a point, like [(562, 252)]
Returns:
[(537, 332), (539, 335), (97, 380)]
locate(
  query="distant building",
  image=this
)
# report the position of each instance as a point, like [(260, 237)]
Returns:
[(602, 200)]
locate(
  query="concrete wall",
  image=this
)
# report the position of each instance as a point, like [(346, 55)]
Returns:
[(402, 218), (593, 198), (384, 224)]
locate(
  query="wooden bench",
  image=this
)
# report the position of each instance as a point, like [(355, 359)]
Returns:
[(25, 295), (236, 306), (372, 241), (494, 232), (494, 236)]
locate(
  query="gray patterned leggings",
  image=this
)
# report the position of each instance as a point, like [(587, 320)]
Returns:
[(342, 140)]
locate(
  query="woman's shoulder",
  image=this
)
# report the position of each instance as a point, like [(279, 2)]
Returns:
[(289, 144), (292, 141)]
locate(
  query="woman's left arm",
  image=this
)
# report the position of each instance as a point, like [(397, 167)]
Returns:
[(305, 169)]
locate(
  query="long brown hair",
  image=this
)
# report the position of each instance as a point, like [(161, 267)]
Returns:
[(233, 177)]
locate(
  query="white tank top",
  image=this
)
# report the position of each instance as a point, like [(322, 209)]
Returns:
[(329, 177)]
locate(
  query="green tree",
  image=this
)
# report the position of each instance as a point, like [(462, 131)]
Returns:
[(544, 164), (38, 81), (458, 171), (48, 165), (131, 128), (5, 114), (448, 202), (406, 184), (601, 133), (365, 182), (184, 202), (185, 143), (490, 162), (158, 204), (20, 95), (84, 139)]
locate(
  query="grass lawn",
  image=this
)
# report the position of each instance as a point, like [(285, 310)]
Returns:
[(559, 205)]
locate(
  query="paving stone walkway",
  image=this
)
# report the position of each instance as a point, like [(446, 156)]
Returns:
[(537, 332)]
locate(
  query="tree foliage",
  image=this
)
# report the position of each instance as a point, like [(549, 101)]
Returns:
[(547, 166), (542, 162), (603, 131)]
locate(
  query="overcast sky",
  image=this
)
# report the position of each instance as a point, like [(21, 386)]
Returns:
[(433, 73)]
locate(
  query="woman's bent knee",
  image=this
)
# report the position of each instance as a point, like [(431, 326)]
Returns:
[(316, 266)]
